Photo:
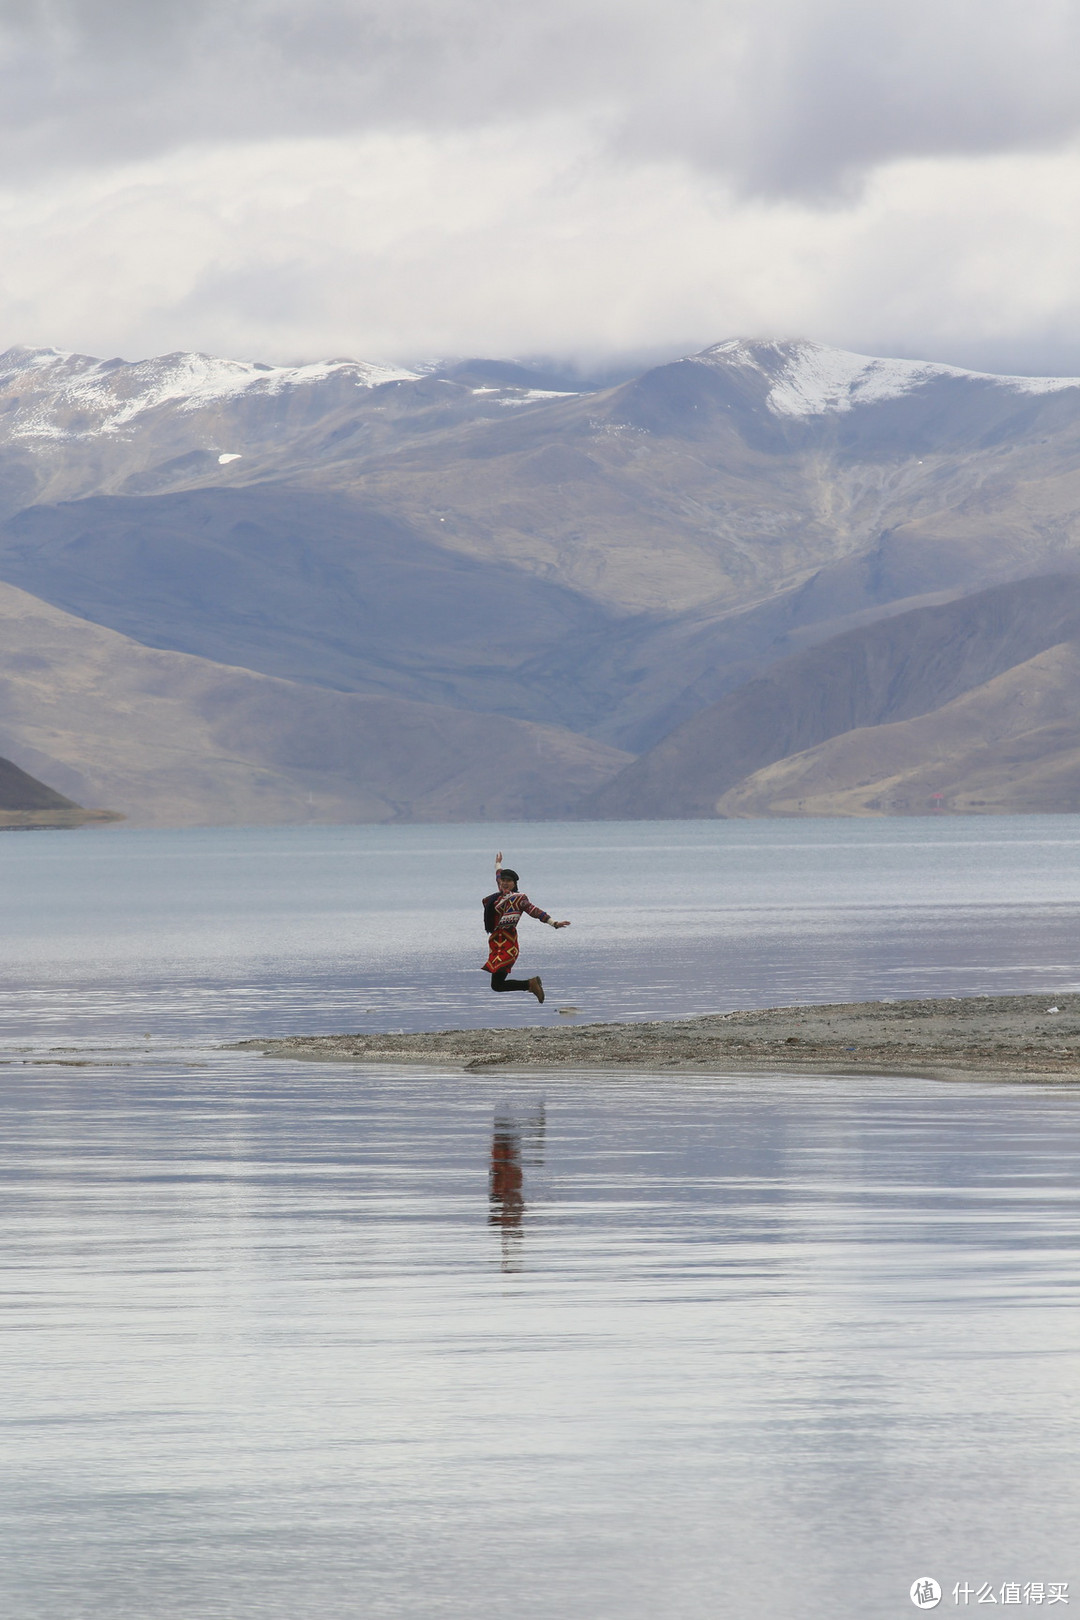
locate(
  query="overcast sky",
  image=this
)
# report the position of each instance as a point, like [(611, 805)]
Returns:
[(401, 179)]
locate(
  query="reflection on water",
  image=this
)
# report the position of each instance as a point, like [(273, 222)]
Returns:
[(313, 1343), (295, 1342), (517, 1139)]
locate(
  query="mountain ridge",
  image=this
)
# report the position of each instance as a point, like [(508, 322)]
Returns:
[(609, 560)]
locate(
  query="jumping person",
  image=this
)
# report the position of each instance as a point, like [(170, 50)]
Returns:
[(503, 911)]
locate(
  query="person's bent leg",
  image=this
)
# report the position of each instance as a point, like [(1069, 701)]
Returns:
[(499, 981)]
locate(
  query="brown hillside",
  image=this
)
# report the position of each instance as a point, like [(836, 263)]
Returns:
[(1010, 746), (174, 740), (888, 671)]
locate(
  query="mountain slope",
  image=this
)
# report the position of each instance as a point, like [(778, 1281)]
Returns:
[(72, 425), (1010, 746), (27, 803), (646, 547), (700, 482), (20, 791), (731, 411), (316, 588), (891, 670), (610, 560), (170, 739)]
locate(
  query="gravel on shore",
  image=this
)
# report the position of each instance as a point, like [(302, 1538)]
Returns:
[(980, 1037)]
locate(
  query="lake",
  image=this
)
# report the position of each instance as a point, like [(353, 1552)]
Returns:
[(316, 1341), (230, 932)]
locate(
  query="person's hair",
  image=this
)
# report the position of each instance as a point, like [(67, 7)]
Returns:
[(505, 872)]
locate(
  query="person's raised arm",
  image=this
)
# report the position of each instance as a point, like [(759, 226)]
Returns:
[(540, 915)]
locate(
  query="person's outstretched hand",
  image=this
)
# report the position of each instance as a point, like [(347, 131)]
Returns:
[(498, 858), (560, 925)]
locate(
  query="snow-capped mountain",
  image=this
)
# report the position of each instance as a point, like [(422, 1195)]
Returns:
[(808, 379), (49, 394), (72, 425), (219, 409), (501, 540)]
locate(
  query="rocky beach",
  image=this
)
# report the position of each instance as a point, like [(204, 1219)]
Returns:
[(1020, 1038)]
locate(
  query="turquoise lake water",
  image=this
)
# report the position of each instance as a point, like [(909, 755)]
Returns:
[(317, 1341)]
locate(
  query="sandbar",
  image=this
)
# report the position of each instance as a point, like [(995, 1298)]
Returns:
[(1033, 1038)]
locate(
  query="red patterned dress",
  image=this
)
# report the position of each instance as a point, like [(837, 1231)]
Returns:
[(503, 940)]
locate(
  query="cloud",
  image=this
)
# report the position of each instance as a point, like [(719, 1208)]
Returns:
[(398, 178), (406, 246), (786, 97), (809, 96)]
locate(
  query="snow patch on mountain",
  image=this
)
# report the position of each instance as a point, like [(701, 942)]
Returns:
[(74, 396), (51, 395), (530, 396), (808, 379)]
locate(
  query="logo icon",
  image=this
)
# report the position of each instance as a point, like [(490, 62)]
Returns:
[(925, 1592)]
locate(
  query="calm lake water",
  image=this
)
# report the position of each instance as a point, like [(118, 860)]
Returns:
[(237, 931), (314, 1342)]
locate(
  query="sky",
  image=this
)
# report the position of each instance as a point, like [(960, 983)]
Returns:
[(601, 181)]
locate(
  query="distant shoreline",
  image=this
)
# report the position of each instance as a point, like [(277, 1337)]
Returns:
[(55, 820), (978, 1037)]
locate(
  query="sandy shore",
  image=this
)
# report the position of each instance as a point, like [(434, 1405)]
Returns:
[(984, 1037)]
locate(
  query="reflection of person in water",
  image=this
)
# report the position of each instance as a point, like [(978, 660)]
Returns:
[(517, 1140), (507, 1176), (503, 910)]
